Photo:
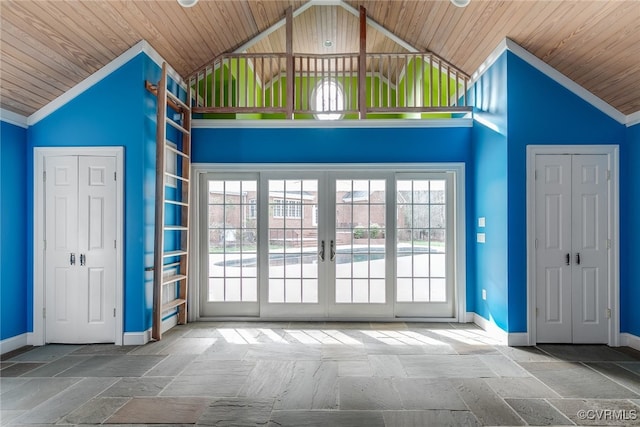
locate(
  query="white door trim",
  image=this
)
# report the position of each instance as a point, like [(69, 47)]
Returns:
[(198, 174), (40, 154), (612, 151)]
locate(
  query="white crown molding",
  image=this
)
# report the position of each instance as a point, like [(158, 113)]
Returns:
[(633, 119), (13, 118), (565, 81), (553, 74), (141, 47), (324, 124)]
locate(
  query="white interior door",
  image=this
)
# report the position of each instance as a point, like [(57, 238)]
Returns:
[(590, 230), (571, 255), (80, 255)]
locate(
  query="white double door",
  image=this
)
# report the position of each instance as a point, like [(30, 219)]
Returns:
[(334, 244), (80, 253), (572, 255)]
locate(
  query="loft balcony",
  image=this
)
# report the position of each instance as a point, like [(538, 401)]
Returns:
[(334, 86)]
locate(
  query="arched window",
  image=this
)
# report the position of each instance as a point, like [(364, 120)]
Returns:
[(328, 97)]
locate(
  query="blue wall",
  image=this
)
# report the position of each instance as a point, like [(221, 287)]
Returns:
[(541, 111), (343, 145), (114, 112), (630, 233), (489, 95), (13, 229)]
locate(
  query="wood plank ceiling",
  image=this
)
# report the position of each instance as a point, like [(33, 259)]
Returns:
[(47, 47)]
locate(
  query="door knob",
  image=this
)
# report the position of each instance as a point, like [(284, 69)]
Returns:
[(578, 258), (333, 251), (82, 259), (568, 261), (72, 259)]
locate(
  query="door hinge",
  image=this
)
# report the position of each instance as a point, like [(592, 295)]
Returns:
[(608, 243), (608, 175), (44, 312), (44, 176), (536, 311), (115, 242), (536, 243), (45, 245), (114, 312), (608, 313), (535, 175), (115, 176)]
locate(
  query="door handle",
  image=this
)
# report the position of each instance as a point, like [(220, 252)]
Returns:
[(578, 258), (321, 251), (72, 259), (333, 251), (82, 259), (568, 261)]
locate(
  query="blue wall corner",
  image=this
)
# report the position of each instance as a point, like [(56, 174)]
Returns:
[(630, 234), (13, 231), (490, 183)]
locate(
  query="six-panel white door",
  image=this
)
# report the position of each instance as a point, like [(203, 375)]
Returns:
[(80, 254), (572, 248)]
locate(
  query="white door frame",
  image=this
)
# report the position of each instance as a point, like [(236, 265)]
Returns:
[(37, 337), (198, 178), (612, 152)]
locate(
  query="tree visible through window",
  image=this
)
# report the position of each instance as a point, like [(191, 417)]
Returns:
[(329, 99)]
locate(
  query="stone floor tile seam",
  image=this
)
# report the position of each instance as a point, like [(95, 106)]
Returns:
[(609, 378), (558, 409)]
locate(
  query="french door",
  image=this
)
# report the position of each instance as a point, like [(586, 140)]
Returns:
[(317, 244)]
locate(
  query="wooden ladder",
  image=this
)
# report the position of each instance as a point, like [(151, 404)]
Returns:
[(176, 260)]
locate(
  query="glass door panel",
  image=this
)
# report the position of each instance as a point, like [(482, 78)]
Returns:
[(293, 275), (358, 250), (424, 285), (232, 285)]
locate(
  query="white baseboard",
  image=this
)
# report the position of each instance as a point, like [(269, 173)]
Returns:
[(136, 338), (491, 328), (518, 339), (630, 340), (141, 338), (13, 343), (169, 323), (468, 317)]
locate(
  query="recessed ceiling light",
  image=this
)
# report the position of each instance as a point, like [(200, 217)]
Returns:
[(461, 3), (187, 3), (328, 43)]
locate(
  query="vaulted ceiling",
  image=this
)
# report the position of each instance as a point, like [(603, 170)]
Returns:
[(47, 47)]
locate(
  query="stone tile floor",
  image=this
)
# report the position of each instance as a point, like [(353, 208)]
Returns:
[(315, 374)]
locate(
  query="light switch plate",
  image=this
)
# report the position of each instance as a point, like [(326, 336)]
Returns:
[(481, 238)]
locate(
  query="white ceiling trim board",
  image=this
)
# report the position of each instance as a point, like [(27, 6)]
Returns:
[(141, 47), (379, 27), (274, 27), (552, 73), (13, 118), (312, 3), (633, 119)]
